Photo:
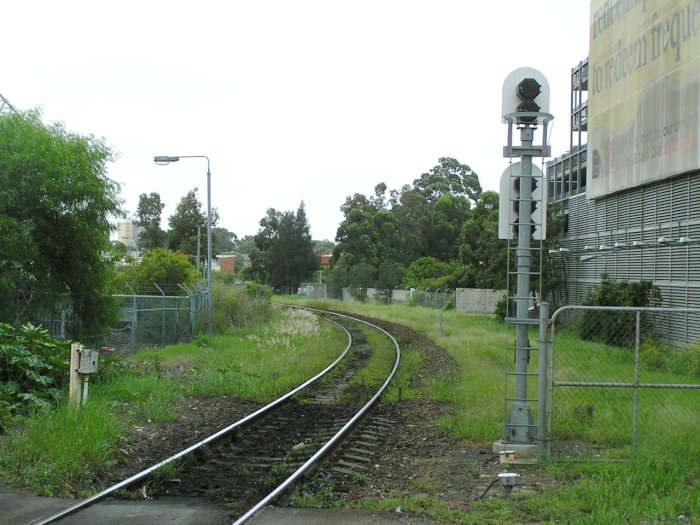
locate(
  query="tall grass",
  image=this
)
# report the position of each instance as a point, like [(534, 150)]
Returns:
[(659, 486), (51, 452), (58, 449)]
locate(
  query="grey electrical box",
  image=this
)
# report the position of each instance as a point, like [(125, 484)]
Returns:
[(88, 361)]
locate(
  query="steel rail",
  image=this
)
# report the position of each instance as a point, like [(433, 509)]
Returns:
[(87, 502), (337, 438)]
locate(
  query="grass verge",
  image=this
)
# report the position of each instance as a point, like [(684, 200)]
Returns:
[(51, 452), (661, 485)]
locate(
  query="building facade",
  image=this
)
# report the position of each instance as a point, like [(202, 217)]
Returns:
[(630, 184), (128, 234)]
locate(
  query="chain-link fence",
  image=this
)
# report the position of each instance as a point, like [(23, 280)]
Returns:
[(150, 321), (147, 318), (433, 297), (618, 383)]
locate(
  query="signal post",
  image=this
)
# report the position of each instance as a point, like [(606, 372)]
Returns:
[(522, 217)]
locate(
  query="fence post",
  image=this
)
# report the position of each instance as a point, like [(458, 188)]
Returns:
[(635, 403), (542, 382), (191, 308), (73, 376), (133, 322), (162, 315)]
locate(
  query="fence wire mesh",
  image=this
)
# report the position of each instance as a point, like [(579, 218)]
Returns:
[(145, 320), (618, 384)]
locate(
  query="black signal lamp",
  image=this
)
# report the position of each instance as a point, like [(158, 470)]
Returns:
[(527, 91)]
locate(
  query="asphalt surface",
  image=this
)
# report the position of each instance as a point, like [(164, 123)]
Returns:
[(18, 508)]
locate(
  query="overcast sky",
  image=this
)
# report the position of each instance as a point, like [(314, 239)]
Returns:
[(303, 100)]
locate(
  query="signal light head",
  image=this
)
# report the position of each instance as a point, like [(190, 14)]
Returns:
[(527, 91)]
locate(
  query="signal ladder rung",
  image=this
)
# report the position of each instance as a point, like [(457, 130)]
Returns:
[(513, 320), (524, 400)]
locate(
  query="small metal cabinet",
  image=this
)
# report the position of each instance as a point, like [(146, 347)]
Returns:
[(88, 361)]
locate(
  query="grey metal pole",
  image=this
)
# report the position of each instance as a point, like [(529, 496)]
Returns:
[(635, 401), (198, 249), (520, 422), (543, 356), (209, 283)]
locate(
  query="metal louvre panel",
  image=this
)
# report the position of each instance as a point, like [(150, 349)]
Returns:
[(647, 257), (680, 199), (623, 211), (648, 206), (635, 217), (693, 325), (664, 202), (694, 192), (574, 226), (600, 215), (679, 264), (634, 264), (694, 264), (610, 214), (662, 263)]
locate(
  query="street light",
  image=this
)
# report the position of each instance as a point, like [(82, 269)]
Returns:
[(164, 160)]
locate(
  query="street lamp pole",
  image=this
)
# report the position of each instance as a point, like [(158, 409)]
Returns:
[(162, 161)]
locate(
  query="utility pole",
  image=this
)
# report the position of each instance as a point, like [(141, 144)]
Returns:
[(522, 216)]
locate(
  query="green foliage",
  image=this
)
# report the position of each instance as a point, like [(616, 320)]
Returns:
[(187, 223), (55, 206), (284, 255), (59, 450), (480, 248), (617, 328), (425, 220), (658, 357), (236, 307), (224, 240), (163, 267), (148, 215), (428, 272), (33, 371)]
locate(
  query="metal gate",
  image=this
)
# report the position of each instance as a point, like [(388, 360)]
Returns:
[(616, 384)]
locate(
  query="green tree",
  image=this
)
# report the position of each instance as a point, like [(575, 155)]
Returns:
[(224, 240), (148, 216), (163, 268), (450, 177), (413, 216), (187, 223), (480, 250), (55, 206), (284, 254)]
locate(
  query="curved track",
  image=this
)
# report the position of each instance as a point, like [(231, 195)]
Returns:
[(291, 434)]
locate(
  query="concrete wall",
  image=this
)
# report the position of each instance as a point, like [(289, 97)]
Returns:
[(478, 301), (468, 300)]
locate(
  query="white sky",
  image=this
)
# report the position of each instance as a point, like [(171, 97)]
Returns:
[(309, 100)]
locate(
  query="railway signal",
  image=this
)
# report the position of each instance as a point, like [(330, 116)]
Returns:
[(522, 217)]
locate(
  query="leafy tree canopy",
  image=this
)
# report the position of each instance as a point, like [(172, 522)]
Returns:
[(422, 220), (55, 206), (224, 240), (184, 225), (284, 254), (148, 216), (481, 251), (162, 268), (450, 177)]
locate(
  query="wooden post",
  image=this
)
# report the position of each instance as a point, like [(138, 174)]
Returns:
[(74, 377)]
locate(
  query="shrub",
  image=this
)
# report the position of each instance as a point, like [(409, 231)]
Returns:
[(658, 357), (236, 307), (33, 370), (617, 328)]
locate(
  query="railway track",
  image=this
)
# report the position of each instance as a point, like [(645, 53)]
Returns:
[(253, 461)]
